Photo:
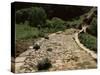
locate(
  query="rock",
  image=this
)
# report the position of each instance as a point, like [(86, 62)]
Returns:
[(30, 47), (36, 47), (26, 53), (44, 64), (22, 71), (20, 59), (33, 70), (17, 66), (53, 34), (46, 37), (49, 49), (59, 32)]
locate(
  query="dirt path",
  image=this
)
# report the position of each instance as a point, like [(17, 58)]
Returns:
[(65, 54)]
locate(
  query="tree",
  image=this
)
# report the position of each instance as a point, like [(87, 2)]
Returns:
[(18, 16), (37, 16), (22, 15)]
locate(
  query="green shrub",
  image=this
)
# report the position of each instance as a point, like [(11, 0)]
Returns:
[(41, 34), (89, 41), (56, 24), (93, 27), (26, 32), (22, 15), (75, 23), (37, 17), (18, 16)]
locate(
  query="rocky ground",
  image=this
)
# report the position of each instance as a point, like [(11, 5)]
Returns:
[(62, 53)]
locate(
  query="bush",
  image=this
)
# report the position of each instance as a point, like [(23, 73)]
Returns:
[(89, 41), (75, 23), (22, 15), (37, 17), (56, 23), (93, 27), (26, 32), (18, 17), (41, 33), (44, 64)]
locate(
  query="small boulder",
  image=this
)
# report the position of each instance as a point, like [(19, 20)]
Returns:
[(49, 49), (36, 46), (44, 64), (46, 37)]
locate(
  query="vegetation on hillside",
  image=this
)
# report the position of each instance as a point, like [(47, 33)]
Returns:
[(93, 27), (89, 41), (34, 22)]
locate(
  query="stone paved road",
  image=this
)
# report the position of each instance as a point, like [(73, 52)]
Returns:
[(65, 54)]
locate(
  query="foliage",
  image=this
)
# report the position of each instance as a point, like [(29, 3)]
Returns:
[(89, 41), (61, 11), (56, 24), (22, 15), (35, 15), (75, 22), (26, 32), (18, 17), (93, 27), (44, 64)]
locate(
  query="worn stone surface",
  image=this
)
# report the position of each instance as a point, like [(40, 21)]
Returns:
[(65, 54)]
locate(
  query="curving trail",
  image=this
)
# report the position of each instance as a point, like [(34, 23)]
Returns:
[(66, 54), (91, 52)]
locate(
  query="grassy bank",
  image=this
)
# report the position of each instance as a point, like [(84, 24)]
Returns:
[(89, 41)]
